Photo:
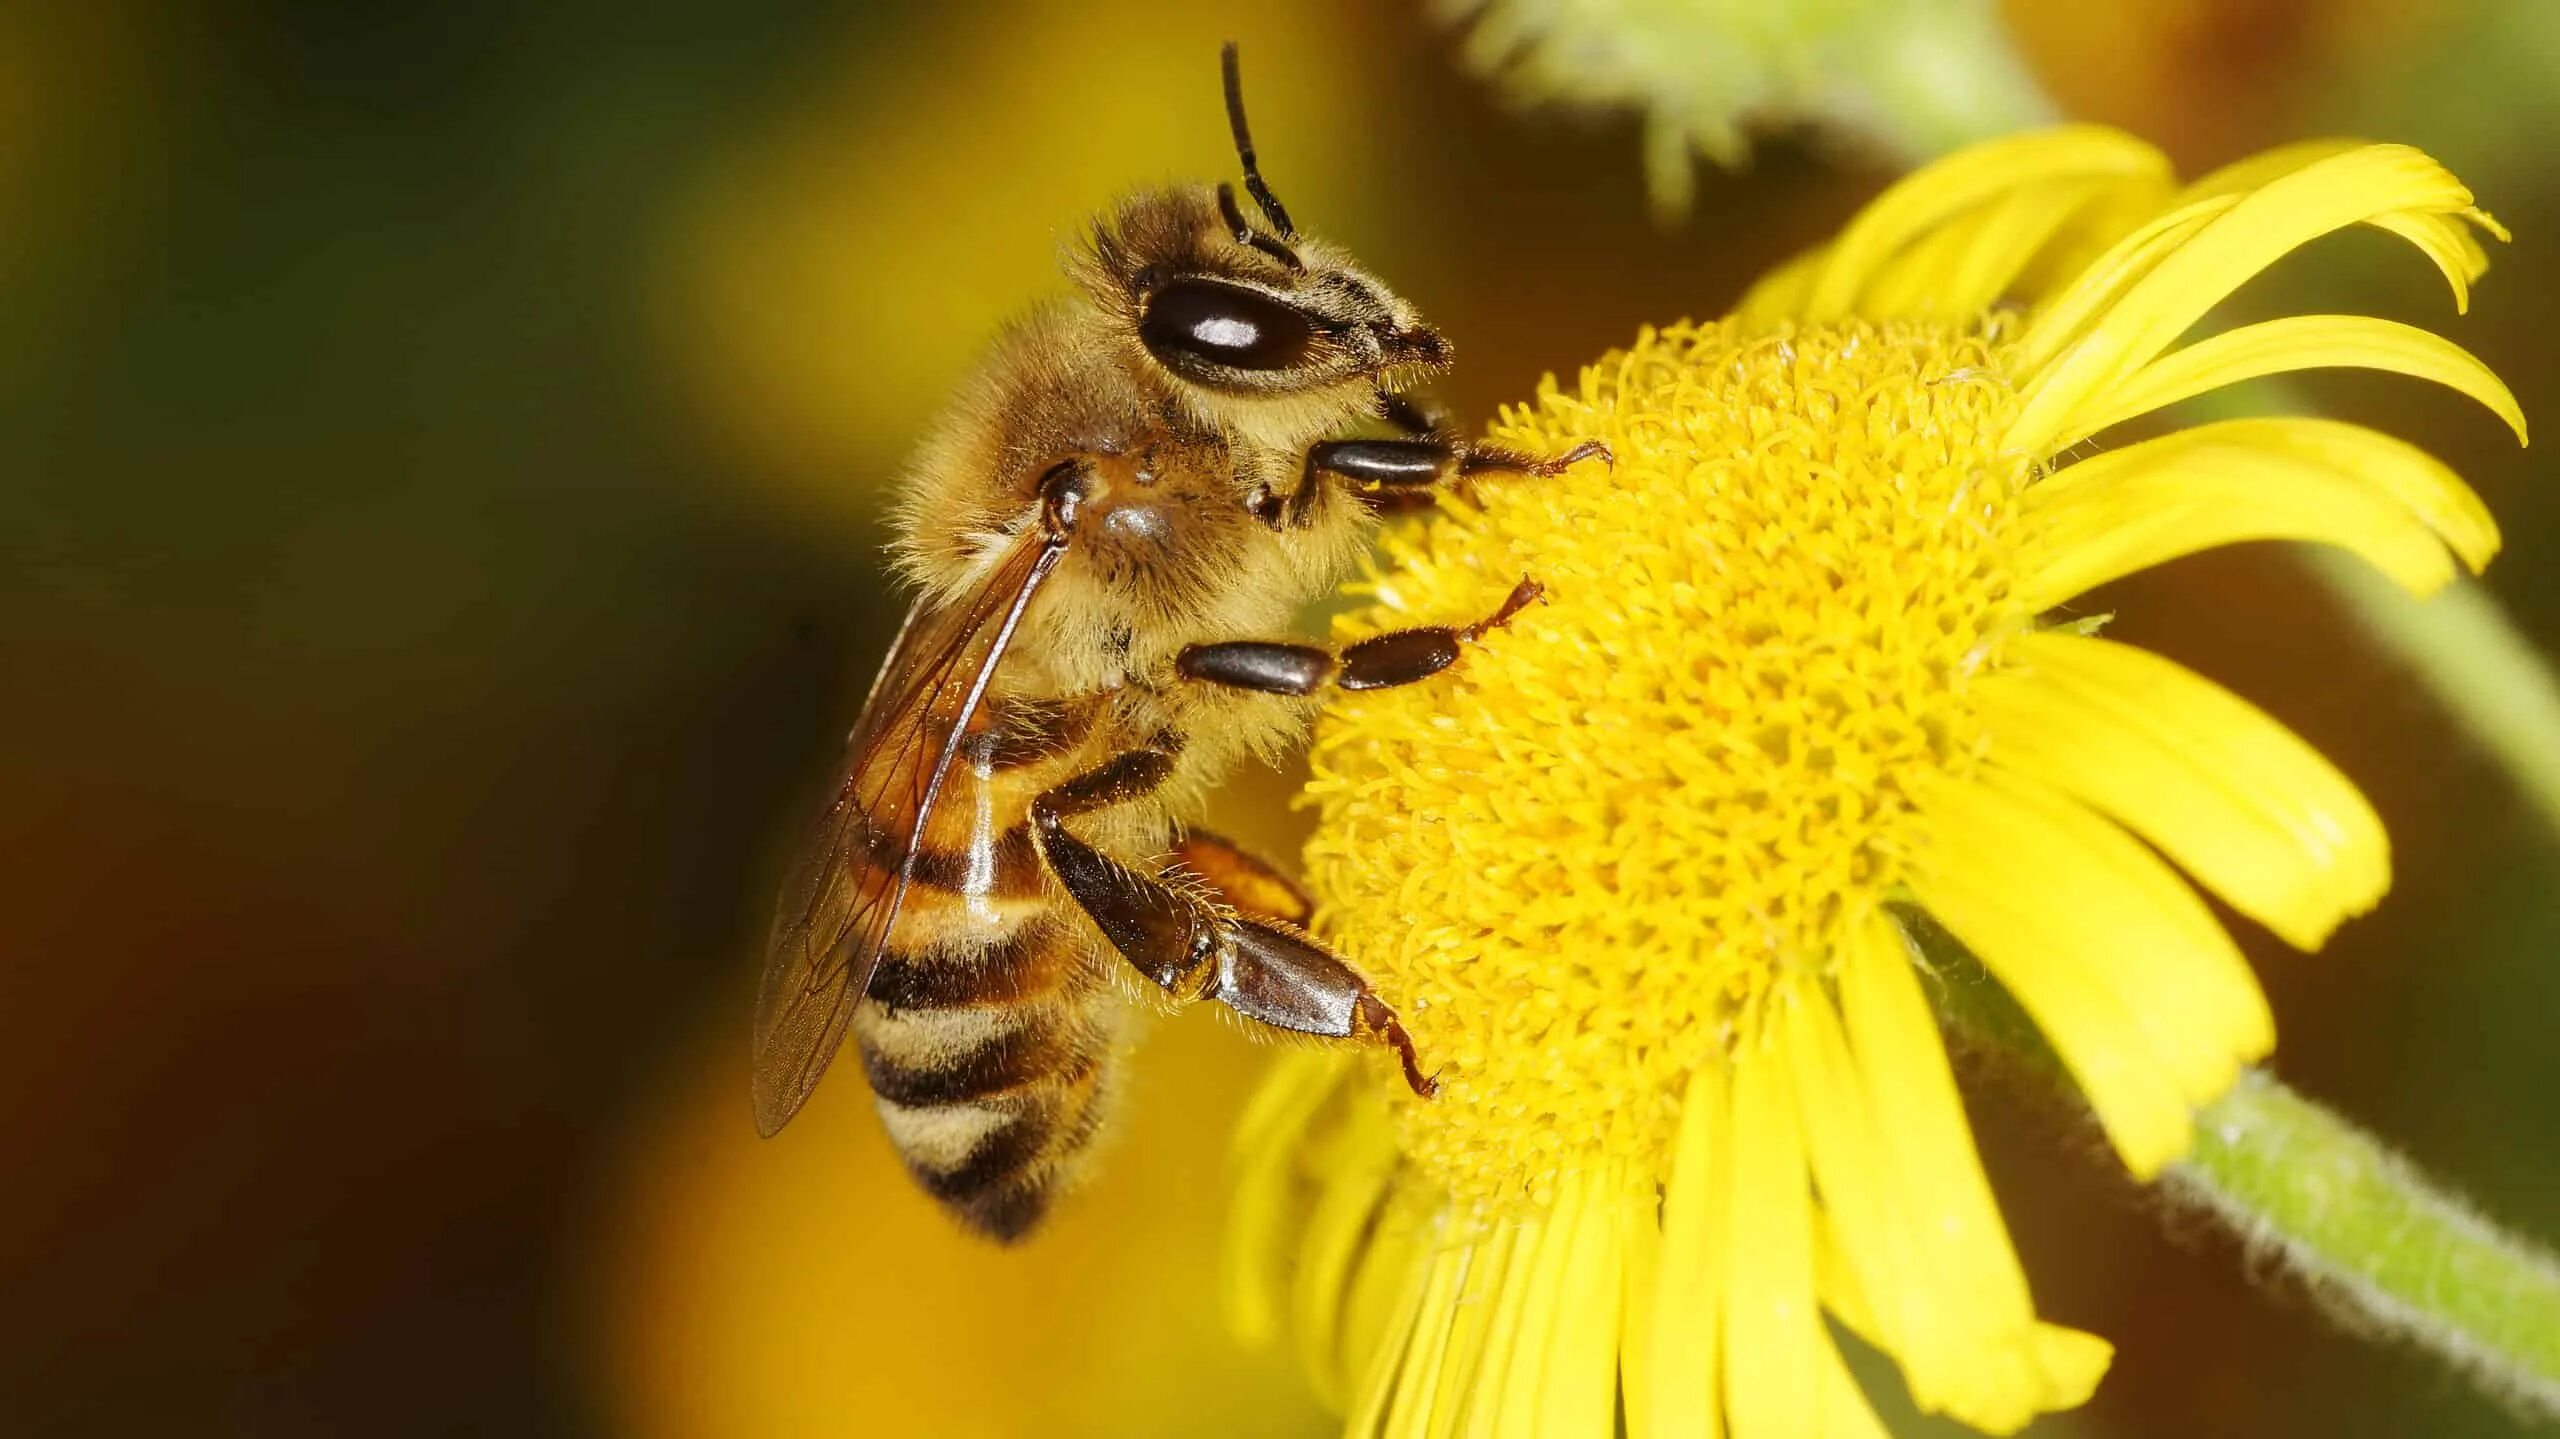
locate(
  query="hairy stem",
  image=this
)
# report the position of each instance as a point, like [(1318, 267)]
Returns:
[(2388, 1252), (2375, 1240)]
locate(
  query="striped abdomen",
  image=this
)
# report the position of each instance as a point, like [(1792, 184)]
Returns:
[(989, 1027)]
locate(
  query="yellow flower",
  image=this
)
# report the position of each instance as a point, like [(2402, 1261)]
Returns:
[(1638, 871)]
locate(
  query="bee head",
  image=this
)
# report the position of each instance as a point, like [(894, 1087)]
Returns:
[(1234, 308)]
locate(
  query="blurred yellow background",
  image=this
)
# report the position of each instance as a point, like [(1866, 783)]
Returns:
[(439, 551)]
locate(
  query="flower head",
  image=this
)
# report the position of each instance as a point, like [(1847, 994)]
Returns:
[(1638, 873)]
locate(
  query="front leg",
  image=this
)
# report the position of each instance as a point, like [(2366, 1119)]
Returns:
[(1267, 972), (1398, 657), (1387, 472)]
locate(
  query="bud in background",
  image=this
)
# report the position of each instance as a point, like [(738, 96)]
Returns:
[(1913, 78)]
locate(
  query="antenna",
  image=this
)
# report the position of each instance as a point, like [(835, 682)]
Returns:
[(1253, 184)]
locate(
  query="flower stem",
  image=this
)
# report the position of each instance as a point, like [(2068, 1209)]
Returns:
[(2391, 1253), (2463, 646), (2375, 1240)]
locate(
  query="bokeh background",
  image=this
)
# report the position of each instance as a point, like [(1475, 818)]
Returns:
[(441, 454)]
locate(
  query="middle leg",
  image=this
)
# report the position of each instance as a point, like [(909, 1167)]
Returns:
[(1269, 972), (1389, 471), (1398, 657)]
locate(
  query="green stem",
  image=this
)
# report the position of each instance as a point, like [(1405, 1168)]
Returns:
[(2389, 1252), (2377, 1242), (2469, 654), (2384, 1248)]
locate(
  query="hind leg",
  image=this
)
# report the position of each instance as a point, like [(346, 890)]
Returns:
[(1266, 971)]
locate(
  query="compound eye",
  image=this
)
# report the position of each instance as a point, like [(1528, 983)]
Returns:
[(1198, 321)]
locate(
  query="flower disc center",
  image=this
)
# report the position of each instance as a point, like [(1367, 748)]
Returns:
[(1574, 859)]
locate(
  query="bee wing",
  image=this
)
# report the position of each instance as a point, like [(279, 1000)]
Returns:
[(852, 873)]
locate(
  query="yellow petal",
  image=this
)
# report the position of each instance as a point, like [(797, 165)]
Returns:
[(1398, 1272), (1780, 294), (1524, 1379), (1413, 1385), (2278, 479), (1578, 1390), (2251, 811), (2448, 244), (1957, 272), (2128, 974), (1853, 1171), (2300, 342), (1264, 1162), (2383, 466), (1773, 1334), (1688, 1306), (1931, 1162), (1327, 1251), (1970, 177), (1481, 1410), (2345, 189), (1502, 1258), (2445, 239), (2073, 1362), (2069, 312), (1643, 1230), (1964, 1288), (2251, 171)]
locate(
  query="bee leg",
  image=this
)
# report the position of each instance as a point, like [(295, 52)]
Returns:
[(1171, 937), (1386, 470), (1398, 657), (1246, 882), (1273, 974), (1192, 950)]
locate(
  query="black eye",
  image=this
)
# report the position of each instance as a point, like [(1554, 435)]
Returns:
[(1193, 321)]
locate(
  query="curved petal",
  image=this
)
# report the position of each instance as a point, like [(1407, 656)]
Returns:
[(1973, 1348), (2299, 342), (1385, 1308), (2250, 172), (1772, 1327), (2275, 479), (2125, 970), (1263, 1161), (2252, 812), (1779, 295), (2366, 185), (2069, 311), (1972, 176), (1488, 1325), (1688, 1308), (1957, 272), (1562, 1370), (1397, 1400), (1331, 1253)]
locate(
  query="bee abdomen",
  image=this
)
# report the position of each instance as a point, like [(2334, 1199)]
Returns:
[(991, 1072)]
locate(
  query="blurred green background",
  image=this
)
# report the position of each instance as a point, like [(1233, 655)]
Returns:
[(439, 535)]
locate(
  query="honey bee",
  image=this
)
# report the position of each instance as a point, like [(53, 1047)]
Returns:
[(1133, 485)]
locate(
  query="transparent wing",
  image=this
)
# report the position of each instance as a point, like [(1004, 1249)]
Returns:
[(852, 872)]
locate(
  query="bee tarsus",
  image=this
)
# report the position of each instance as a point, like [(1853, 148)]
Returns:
[(1398, 657)]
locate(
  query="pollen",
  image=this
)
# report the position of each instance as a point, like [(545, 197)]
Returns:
[(1576, 859)]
